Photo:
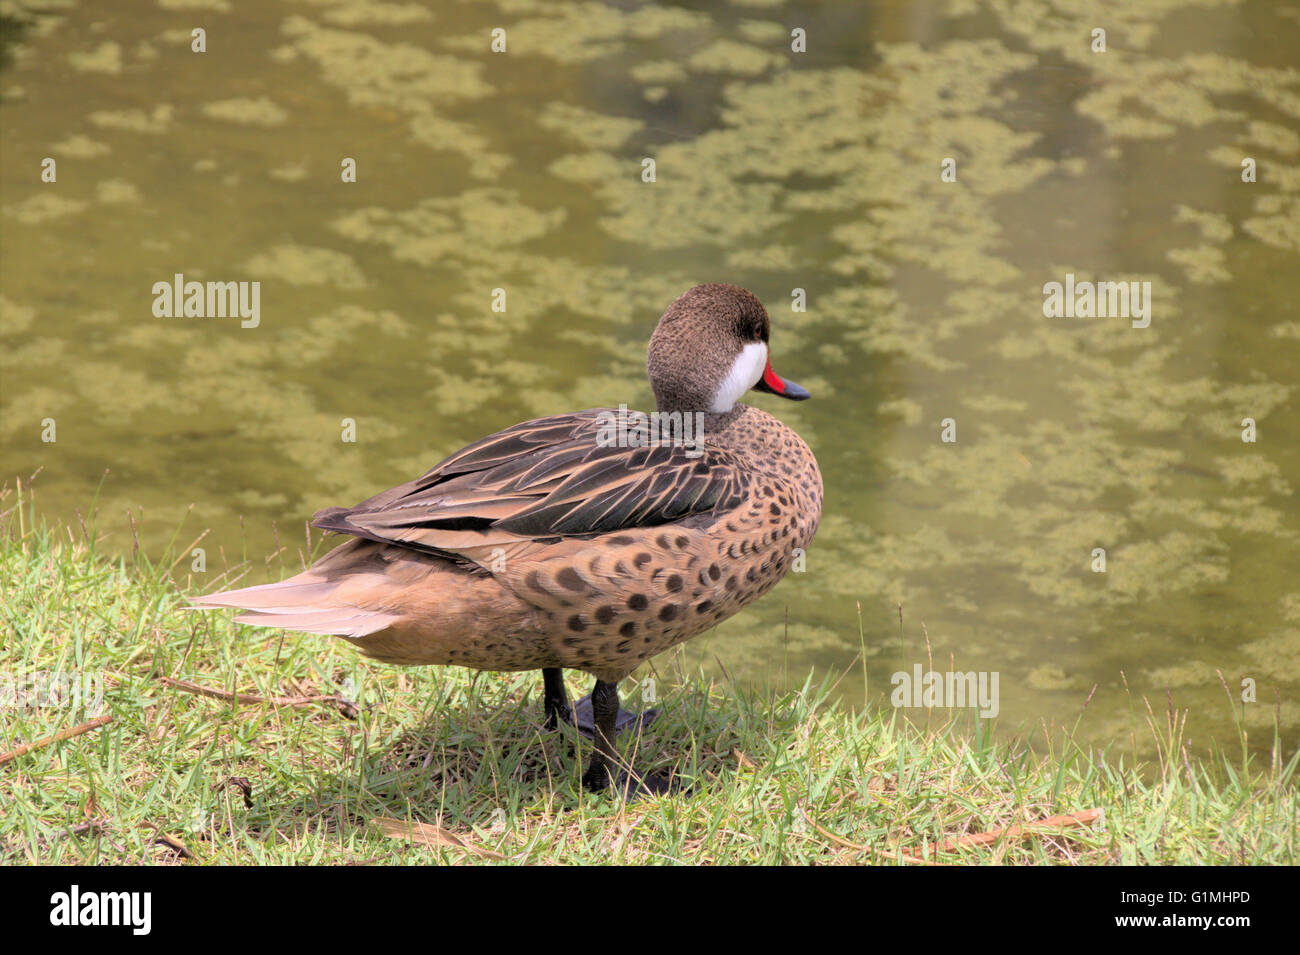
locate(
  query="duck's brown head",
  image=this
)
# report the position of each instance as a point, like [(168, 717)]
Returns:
[(709, 348)]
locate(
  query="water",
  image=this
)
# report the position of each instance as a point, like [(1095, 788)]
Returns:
[(774, 170)]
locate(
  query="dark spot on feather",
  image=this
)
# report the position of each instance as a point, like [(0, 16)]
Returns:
[(628, 629), (703, 606), (622, 540), (682, 540), (604, 614), (569, 579), (662, 541), (576, 624), (669, 612), (714, 572), (534, 580), (776, 511), (641, 559), (637, 602), (674, 583)]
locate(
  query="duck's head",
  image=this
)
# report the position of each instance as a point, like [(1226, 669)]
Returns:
[(709, 348)]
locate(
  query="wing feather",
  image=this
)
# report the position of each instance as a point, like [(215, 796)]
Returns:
[(543, 479)]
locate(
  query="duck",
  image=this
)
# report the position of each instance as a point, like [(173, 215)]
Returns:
[(588, 541)]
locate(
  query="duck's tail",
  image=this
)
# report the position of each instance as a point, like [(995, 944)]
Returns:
[(315, 601)]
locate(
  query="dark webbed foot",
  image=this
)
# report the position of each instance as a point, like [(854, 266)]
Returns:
[(604, 709), (632, 787), (584, 719), (556, 702)]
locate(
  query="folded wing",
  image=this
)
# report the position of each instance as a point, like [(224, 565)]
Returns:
[(540, 481)]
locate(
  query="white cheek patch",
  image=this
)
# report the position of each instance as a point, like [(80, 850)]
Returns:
[(745, 372)]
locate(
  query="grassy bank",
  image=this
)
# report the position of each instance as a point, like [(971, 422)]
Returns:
[(343, 761)]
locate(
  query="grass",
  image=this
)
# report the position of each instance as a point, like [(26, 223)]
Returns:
[(386, 765)]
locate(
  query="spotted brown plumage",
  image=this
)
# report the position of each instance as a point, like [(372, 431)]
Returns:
[(545, 547)]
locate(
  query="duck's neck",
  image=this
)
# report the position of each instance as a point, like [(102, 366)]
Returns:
[(716, 421), (712, 421)]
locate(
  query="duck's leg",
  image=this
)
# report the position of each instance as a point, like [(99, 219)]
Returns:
[(605, 711), (584, 717), (556, 702), (555, 698)]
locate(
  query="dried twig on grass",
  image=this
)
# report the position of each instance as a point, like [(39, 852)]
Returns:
[(426, 834), (243, 785), (172, 843), (58, 737), (1072, 820), (187, 687), (899, 856), (90, 825)]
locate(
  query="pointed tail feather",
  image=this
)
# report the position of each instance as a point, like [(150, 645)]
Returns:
[(341, 622), (288, 596), (298, 604)]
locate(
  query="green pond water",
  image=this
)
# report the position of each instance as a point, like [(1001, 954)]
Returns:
[(775, 170)]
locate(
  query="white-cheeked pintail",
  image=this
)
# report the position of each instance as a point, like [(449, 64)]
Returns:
[(549, 545)]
